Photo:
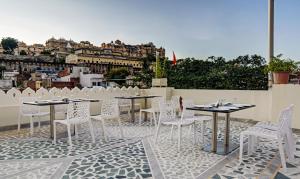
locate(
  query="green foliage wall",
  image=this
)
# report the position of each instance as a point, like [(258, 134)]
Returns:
[(242, 73)]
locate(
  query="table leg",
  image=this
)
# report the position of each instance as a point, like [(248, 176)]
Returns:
[(145, 108), (52, 118), (214, 137), (132, 110), (227, 130)]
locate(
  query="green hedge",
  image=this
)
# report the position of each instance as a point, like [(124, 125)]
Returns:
[(243, 73)]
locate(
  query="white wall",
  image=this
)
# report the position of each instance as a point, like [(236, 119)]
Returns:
[(268, 103)]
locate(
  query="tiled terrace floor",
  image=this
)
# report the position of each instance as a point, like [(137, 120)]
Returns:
[(135, 156)]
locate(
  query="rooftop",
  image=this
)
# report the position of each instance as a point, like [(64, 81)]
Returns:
[(134, 156)]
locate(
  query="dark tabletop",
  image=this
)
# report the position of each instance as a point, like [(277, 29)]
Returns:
[(221, 109), (135, 97)]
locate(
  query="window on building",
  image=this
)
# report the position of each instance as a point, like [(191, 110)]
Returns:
[(94, 83)]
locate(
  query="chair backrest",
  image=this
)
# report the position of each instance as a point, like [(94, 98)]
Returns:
[(175, 102), (155, 102), (166, 111), (28, 109), (285, 119), (110, 108), (78, 112), (187, 113), (285, 129), (62, 108)]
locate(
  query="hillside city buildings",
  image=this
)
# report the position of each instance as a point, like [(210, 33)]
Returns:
[(41, 65)]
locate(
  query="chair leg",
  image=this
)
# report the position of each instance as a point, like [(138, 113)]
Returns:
[(31, 125), (120, 127), (39, 118), (76, 130), (140, 118), (190, 130), (241, 147), (250, 144), (171, 135), (154, 118), (103, 130), (54, 132), (202, 130), (19, 122), (179, 137), (282, 155), (91, 130), (128, 112), (195, 138), (157, 132), (291, 148), (69, 134)]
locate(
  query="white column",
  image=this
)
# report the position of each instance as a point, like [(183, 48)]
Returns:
[(270, 36), (271, 29)]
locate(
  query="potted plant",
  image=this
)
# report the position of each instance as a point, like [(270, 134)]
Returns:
[(160, 79), (281, 69)]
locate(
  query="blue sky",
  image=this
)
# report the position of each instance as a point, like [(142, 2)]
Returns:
[(191, 28)]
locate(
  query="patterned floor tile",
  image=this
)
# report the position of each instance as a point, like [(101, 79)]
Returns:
[(26, 156)]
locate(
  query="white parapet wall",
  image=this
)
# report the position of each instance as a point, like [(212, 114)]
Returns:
[(268, 103), (10, 101)]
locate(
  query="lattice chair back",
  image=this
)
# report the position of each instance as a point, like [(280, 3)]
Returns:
[(78, 112), (286, 129), (285, 120), (28, 109), (175, 102), (187, 113), (62, 108), (110, 108), (291, 109), (155, 102), (166, 112)]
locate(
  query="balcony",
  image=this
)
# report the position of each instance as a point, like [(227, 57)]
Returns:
[(136, 155)]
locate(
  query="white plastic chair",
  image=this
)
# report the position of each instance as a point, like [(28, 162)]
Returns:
[(109, 111), (125, 105), (278, 135), (60, 109), (190, 115), (30, 111), (153, 110), (77, 113), (290, 144), (176, 103), (167, 116)]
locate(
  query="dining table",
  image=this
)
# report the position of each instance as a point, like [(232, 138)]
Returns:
[(53, 103), (221, 147), (133, 98)]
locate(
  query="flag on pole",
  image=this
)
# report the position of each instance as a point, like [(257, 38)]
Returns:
[(174, 59)]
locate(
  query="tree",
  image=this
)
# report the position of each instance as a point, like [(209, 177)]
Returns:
[(243, 73), (23, 52), (9, 44), (118, 73), (145, 76)]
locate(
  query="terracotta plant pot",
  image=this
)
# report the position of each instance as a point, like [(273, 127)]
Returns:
[(281, 77)]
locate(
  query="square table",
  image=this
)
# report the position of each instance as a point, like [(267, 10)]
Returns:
[(215, 146), (132, 98), (52, 104)]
